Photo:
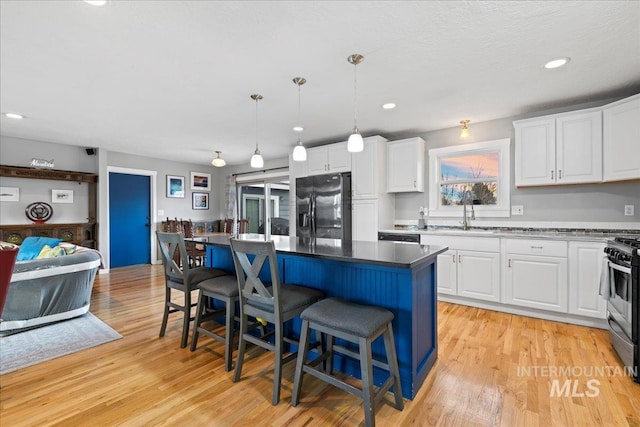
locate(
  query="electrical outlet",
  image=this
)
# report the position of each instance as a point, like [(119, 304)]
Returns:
[(629, 210), (517, 210)]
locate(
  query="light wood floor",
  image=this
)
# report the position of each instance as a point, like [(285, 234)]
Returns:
[(143, 380)]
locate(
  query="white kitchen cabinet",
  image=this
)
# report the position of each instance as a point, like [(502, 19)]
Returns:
[(559, 149), (585, 266), (405, 165), (536, 274), (470, 268), (365, 220), (621, 130), (368, 169), (373, 207), (296, 170), (332, 158)]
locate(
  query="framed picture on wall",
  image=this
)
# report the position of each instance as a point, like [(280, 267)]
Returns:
[(9, 194), (200, 201), (200, 181), (61, 196), (175, 186)]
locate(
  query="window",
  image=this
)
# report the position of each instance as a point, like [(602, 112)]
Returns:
[(252, 192), (475, 174)]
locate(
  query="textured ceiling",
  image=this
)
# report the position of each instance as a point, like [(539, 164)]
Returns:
[(172, 79)]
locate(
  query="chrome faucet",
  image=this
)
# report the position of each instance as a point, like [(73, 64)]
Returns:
[(465, 220)]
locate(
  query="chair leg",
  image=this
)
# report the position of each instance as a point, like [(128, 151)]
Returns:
[(366, 368), (187, 319), (241, 348), (196, 324), (165, 316), (394, 370), (329, 362), (229, 333), (303, 348), (277, 372)]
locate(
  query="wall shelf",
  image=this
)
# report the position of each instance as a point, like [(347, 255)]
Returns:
[(85, 234)]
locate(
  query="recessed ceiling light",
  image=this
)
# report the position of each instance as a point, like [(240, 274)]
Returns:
[(14, 116), (555, 63), (298, 128), (389, 106), (96, 2)]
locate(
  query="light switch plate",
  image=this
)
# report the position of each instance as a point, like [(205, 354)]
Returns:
[(160, 212), (629, 210), (517, 210)]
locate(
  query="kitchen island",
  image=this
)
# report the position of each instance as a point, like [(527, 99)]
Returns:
[(400, 277)]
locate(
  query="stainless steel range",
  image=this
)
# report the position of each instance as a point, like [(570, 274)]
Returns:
[(622, 277)]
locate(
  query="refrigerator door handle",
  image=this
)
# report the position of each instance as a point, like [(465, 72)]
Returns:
[(312, 213)]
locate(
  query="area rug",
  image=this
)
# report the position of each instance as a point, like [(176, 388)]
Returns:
[(48, 342)]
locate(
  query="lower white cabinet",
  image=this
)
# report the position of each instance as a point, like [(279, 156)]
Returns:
[(537, 279), (466, 272), (585, 266)]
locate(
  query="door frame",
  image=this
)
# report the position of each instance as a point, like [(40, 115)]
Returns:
[(152, 208)]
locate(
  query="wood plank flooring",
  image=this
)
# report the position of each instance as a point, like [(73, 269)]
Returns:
[(143, 380)]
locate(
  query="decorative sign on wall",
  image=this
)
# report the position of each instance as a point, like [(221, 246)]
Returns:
[(61, 196), (42, 163)]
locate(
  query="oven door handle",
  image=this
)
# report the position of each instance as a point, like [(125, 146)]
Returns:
[(625, 270), (617, 330)]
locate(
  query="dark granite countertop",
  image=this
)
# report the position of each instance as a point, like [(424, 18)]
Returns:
[(394, 254)]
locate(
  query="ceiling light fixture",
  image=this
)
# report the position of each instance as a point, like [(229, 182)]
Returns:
[(299, 152), (96, 2), (556, 63), (218, 161), (14, 116), (256, 160), (355, 143), (389, 106), (464, 133)]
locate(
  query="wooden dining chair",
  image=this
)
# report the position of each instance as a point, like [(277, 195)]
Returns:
[(196, 251), (274, 303), (182, 278)]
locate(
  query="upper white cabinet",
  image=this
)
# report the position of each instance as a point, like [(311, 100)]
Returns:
[(405, 165), (368, 169), (332, 158), (621, 122), (560, 149)]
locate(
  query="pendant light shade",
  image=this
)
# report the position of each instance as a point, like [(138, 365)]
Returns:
[(355, 143), (257, 160), (299, 152), (218, 161), (464, 132)]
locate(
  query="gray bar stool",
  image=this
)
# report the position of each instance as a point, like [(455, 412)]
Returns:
[(359, 324)]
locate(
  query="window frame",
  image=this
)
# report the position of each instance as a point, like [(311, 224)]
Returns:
[(502, 208)]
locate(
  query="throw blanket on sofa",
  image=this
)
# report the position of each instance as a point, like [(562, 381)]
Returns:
[(48, 290)]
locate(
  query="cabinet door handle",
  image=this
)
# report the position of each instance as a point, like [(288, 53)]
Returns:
[(459, 258), (560, 174), (454, 258), (414, 184), (536, 247), (551, 174), (509, 262)]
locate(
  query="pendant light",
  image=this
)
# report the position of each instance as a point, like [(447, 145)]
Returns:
[(256, 159), (218, 161), (464, 133), (355, 143), (299, 152)]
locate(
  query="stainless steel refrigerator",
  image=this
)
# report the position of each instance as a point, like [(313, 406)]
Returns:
[(323, 206)]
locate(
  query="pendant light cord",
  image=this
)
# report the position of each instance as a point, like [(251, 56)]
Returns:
[(355, 97), (257, 124), (299, 116)]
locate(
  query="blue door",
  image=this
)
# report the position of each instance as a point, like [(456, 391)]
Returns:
[(129, 219)]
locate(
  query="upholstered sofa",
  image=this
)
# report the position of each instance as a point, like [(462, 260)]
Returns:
[(48, 290)]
